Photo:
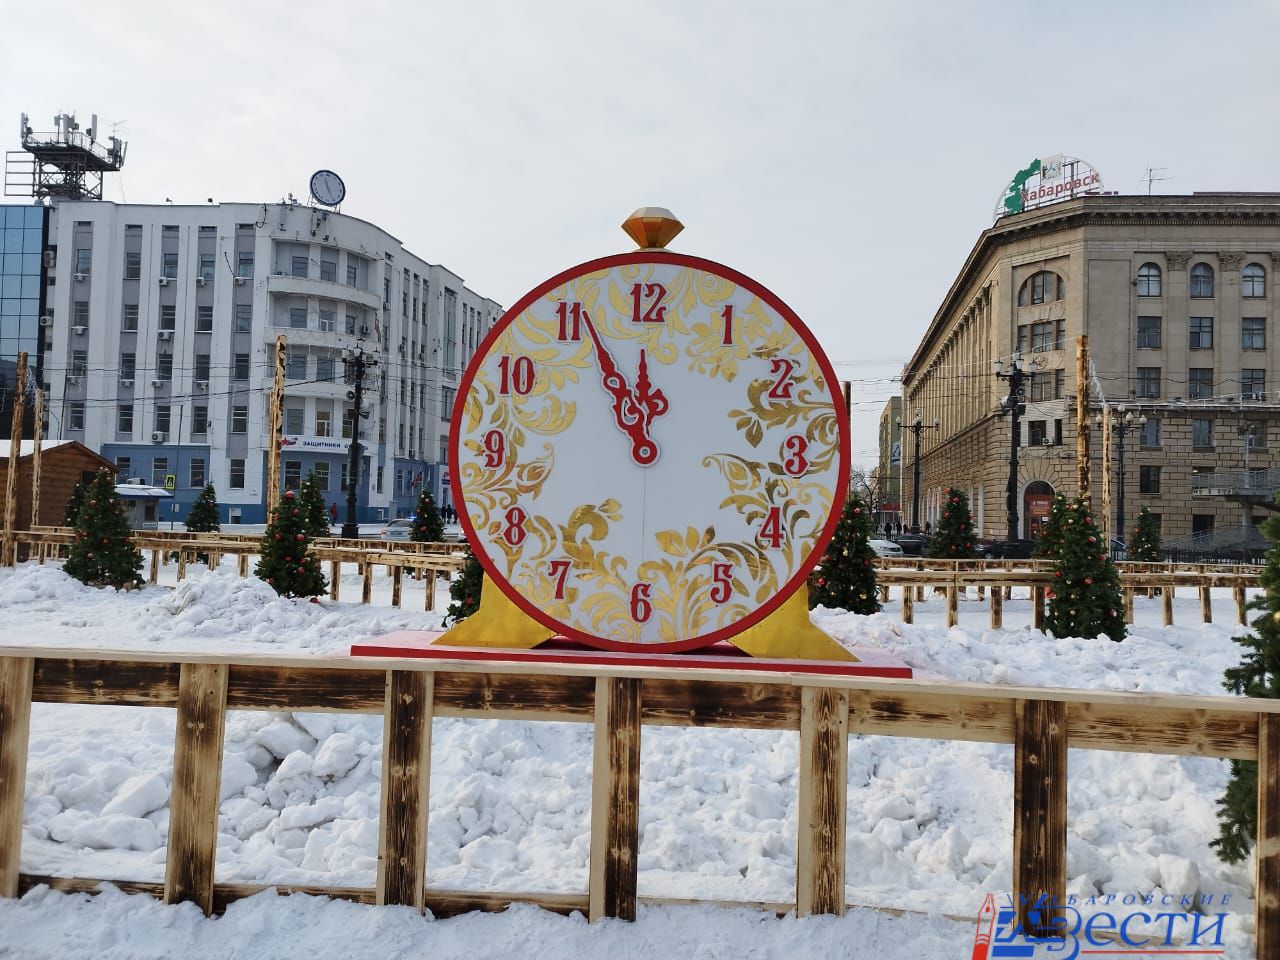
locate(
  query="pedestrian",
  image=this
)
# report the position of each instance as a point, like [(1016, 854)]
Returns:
[(333, 512), (928, 528)]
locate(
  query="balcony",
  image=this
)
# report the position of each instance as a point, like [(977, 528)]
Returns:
[(1236, 484), (285, 285)]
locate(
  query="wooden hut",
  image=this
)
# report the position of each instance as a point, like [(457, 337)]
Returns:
[(63, 464)]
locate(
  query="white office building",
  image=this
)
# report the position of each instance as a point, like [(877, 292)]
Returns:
[(158, 332)]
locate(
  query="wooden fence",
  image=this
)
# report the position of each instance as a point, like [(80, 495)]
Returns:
[(619, 701)]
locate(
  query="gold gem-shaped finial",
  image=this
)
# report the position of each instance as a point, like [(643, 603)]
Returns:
[(652, 228)]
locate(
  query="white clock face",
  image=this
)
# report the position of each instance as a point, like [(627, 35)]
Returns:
[(649, 449), (327, 187)]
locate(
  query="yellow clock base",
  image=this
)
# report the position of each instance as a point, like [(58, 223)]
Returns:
[(498, 623), (788, 634)]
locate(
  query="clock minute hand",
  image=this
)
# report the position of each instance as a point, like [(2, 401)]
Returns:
[(632, 412)]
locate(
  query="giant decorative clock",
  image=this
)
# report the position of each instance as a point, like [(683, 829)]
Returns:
[(649, 451)]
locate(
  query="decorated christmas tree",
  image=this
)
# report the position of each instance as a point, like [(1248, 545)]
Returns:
[(286, 564), (1258, 675), (1144, 545), (464, 592), (311, 501), (203, 517), (73, 505), (1050, 540), (1085, 600), (428, 527), (846, 577), (103, 553), (953, 537)]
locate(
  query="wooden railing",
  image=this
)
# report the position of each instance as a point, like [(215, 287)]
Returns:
[(619, 701)]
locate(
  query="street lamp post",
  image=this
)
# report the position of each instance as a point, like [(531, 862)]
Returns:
[(357, 362), (1015, 406), (915, 427), (1121, 424)]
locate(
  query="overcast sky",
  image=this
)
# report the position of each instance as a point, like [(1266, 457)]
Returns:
[(846, 155)]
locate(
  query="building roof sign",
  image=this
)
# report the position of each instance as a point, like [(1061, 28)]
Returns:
[(1047, 180)]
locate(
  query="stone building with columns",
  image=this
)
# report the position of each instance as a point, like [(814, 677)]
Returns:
[(1177, 295)]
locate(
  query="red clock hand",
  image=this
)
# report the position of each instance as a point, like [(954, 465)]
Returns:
[(633, 411)]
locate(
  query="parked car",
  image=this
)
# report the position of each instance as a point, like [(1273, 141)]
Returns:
[(1008, 550), (885, 548), (398, 530), (912, 544)]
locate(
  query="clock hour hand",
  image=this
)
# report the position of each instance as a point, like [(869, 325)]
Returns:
[(633, 411)]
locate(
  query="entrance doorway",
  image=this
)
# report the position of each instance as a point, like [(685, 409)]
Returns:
[(1037, 500)]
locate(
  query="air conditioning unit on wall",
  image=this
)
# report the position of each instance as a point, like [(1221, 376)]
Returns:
[(159, 436)]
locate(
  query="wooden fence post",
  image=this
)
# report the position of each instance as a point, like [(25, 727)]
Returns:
[(406, 780), (1128, 604), (1039, 809), (953, 609), (182, 563), (1206, 605), (997, 608), (824, 787), (335, 577), (430, 602), (1267, 855), (15, 729), (615, 799), (197, 775), (397, 584), (908, 614), (242, 565), (1166, 604), (1241, 607), (366, 587), (155, 564), (1037, 606)]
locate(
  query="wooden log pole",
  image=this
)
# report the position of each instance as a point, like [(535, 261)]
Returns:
[(37, 438), (1242, 608), (1039, 810), (182, 564), (397, 584), (1037, 606), (953, 608), (197, 776), (615, 800), (275, 424), (335, 578), (1267, 853), (406, 781), (1206, 605), (908, 613), (10, 545), (15, 727), (429, 602), (366, 586), (823, 789), (1166, 604), (997, 608), (1128, 604), (243, 565), (155, 565), (1082, 418)]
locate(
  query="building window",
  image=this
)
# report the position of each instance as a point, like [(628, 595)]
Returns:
[(1148, 479), (1148, 383), (129, 318), (244, 317), (1201, 333), (348, 416), (328, 266), (197, 472), (324, 423), (328, 320), (1200, 383), (1149, 435), (1148, 280), (168, 317), (447, 395), (1041, 337), (75, 415), (326, 368), (1253, 333), (1253, 281), (1253, 382), (202, 367), (1041, 387), (240, 418), (350, 326), (124, 467), (80, 313), (128, 364), (79, 362), (298, 318), (353, 275), (293, 421), (296, 367), (159, 470), (245, 263), (236, 479), (1059, 384), (124, 418), (132, 265), (204, 319), (240, 368), (1036, 432), (1201, 524), (298, 266), (164, 367), (1201, 281), (170, 269), (1041, 287), (206, 267), (292, 474), (84, 260), (1148, 333), (321, 471), (200, 419), (163, 417), (1202, 433)]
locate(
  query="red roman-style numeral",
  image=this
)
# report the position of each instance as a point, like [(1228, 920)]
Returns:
[(516, 373), (654, 312), (570, 315), (721, 582), (559, 572), (727, 316), (514, 532), (641, 608), (495, 448), (771, 531), (796, 463), (782, 369)]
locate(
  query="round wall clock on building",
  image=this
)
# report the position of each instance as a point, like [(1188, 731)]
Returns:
[(327, 188), (649, 452)]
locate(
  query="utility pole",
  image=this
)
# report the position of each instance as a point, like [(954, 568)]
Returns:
[(275, 418), (915, 427), (37, 436), (357, 362), (1120, 426), (1083, 466), (1015, 407)]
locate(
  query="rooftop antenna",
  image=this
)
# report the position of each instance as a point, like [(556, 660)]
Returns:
[(63, 163), (1151, 177)]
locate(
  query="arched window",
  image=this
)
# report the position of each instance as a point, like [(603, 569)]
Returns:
[(1148, 280), (1042, 287), (1202, 280), (1253, 281)]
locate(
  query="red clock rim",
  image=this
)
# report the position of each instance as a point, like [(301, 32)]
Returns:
[(842, 480)]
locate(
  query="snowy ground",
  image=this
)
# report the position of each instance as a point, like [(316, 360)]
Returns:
[(929, 822)]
